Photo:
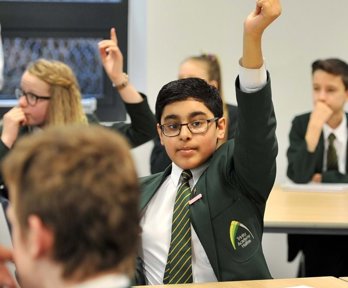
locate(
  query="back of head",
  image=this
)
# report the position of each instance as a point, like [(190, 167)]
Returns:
[(65, 104), (332, 66), (81, 182), (213, 68), (183, 89)]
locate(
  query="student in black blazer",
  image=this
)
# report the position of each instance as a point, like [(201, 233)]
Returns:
[(49, 95), (307, 162), (231, 181)]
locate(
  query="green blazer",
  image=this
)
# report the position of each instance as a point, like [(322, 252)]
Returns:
[(302, 165), (228, 219)]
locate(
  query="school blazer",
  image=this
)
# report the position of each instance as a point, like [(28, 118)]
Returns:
[(228, 219), (303, 164), (301, 167)]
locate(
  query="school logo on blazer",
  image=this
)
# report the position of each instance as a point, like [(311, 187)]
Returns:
[(240, 235)]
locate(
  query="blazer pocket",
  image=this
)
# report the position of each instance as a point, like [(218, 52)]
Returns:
[(236, 235)]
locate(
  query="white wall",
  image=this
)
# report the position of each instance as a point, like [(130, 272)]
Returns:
[(163, 32)]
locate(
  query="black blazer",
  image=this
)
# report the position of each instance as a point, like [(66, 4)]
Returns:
[(302, 165), (159, 159)]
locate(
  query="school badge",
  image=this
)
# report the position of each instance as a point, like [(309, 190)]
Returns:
[(240, 235)]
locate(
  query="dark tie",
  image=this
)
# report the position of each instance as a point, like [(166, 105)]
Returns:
[(332, 164), (179, 264)]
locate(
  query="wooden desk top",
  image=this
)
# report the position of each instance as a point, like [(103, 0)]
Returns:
[(315, 282), (307, 212)]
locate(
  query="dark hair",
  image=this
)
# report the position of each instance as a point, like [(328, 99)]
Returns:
[(182, 89), (333, 66)]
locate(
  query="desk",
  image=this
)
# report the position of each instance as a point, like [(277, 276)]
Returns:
[(315, 282), (306, 212)]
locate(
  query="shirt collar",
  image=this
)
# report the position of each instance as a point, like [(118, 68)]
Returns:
[(196, 173), (340, 132), (107, 281)]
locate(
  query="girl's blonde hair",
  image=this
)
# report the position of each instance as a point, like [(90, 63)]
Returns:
[(213, 70), (65, 104)]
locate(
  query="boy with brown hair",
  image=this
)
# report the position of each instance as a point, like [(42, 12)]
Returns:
[(74, 208), (318, 153)]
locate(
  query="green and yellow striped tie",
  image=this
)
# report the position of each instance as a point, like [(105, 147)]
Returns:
[(179, 264)]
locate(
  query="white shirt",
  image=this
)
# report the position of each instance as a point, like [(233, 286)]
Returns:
[(156, 221), (340, 144), (107, 281)]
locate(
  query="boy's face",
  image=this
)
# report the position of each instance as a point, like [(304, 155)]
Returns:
[(188, 150), (330, 90)]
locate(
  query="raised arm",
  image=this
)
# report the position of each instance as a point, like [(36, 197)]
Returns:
[(143, 123), (266, 11), (112, 60), (255, 141)]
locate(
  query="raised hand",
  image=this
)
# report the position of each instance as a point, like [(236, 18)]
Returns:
[(112, 57), (266, 11), (258, 20)]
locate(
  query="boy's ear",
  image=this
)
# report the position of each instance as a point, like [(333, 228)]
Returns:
[(159, 131), (40, 238), (221, 126)]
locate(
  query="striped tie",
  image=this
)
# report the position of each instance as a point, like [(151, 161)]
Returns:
[(179, 265), (332, 164)]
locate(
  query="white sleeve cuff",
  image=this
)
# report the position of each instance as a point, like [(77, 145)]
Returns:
[(252, 80)]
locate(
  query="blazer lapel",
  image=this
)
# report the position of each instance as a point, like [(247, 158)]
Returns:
[(153, 183), (347, 147), (200, 213), (321, 152)]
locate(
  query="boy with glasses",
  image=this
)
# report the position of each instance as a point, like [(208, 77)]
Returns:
[(202, 218)]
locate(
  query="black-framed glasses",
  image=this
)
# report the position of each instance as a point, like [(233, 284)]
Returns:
[(196, 127), (30, 97)]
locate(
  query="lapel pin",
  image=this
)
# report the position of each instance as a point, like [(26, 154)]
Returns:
[(194, 199)]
